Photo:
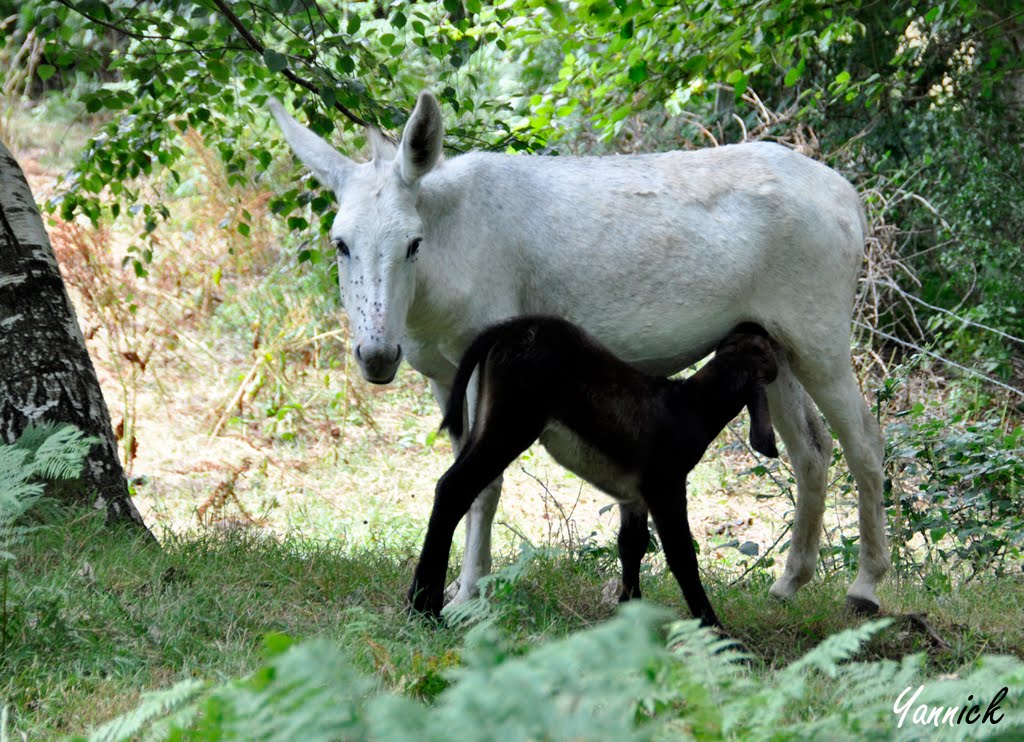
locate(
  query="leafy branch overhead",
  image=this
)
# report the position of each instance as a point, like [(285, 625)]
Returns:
[(905, 100)]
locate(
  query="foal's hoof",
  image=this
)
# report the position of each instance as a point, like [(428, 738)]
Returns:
[(862, 606), (423, 605)]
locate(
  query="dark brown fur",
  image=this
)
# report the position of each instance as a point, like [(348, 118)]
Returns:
[(535, 370)]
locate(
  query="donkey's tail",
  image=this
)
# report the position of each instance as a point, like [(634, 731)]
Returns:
[(473, 357)]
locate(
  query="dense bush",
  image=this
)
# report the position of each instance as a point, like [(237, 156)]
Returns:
[(958, 497)]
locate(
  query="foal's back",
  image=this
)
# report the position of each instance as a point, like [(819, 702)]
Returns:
[(570, 378)]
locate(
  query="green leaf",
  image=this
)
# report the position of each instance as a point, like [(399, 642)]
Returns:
[(45, 71), (93, 102), (275, 60)]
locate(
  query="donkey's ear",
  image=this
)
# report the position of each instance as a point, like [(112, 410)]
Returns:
[(420, 148), (328, 165), (382, 148), (762, 434)]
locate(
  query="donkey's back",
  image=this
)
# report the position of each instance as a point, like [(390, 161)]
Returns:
[(657, 255)]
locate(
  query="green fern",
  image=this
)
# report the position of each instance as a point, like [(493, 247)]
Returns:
[(61, 454), (156, 706), (42, 452), (493, 589), (616, 681), (17, 496)]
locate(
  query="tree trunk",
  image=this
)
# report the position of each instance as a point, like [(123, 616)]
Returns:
[(46, 374)]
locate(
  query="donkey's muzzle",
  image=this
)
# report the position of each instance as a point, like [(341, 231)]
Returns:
[(378, 362)]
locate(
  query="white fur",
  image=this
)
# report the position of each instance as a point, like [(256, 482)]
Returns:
[(658, 256)]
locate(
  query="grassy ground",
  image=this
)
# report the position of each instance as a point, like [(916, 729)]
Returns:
[(94, 619)]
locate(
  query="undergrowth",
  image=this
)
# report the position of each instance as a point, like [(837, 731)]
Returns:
[(97, 619)]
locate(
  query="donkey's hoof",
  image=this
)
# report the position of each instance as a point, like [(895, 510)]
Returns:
[(452, 591), (862, 606)]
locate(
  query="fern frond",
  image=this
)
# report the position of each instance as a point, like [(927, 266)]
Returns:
[(43, 451), (837, 648), (155, 704), (13, 474), (586, 686), (17, 497), (309, 693), (768, 707), (35, 434), (60, 456), (493, 589)]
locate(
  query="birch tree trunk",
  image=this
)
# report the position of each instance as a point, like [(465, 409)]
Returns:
[(46, 374)]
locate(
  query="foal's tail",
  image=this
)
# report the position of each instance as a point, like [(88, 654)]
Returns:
[(473, 357)]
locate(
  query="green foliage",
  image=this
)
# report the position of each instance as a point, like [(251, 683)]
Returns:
[(47, 451), (42, 452), (624, 58), (958, 495), (615, 681), (495, 591), (100, 618), (210, 67)]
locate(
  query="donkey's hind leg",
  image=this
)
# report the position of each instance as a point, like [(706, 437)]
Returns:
[(809, 446), (864, 448)]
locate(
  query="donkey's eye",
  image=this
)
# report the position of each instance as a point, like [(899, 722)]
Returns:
[(413, 248), (340, 246)]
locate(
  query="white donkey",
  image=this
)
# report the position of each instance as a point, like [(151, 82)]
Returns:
[(657, 256)]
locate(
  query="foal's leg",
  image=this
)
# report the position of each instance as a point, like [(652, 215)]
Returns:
[(634, 537), (667, 502), (484, 457)]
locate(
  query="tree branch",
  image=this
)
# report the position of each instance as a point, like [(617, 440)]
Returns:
[(258, 47)]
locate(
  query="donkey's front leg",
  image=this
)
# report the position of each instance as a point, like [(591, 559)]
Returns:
[(476, 561), (668, 509), (634, 538)]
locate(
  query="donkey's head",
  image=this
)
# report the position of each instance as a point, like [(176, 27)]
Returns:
[(377, 230)]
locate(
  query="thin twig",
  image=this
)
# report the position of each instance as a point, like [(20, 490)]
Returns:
[(936, 356)]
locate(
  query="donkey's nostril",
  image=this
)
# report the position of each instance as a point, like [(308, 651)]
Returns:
[(398, 353), (359, 352)]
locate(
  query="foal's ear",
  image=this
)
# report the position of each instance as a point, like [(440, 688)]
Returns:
[(762, 434), (420, 148)]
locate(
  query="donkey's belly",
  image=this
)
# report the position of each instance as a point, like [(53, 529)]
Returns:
[(590, 464)]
